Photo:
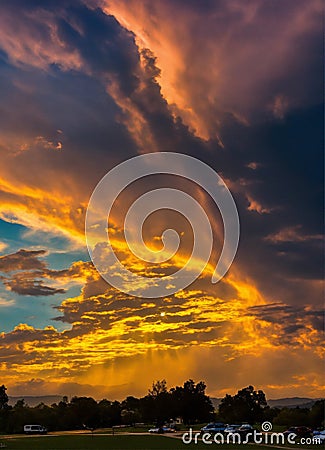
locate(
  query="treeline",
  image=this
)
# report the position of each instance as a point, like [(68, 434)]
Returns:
[(188, 403), (251, 406), (311, 417)]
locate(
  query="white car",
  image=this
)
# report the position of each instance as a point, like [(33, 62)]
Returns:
[(164, 429), (155, 430), (231, 428), (34, 429), (246, 427)]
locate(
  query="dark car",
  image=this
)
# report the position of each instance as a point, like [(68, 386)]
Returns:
[(214, 427), (291, 430), (245, 431), (299, 431)]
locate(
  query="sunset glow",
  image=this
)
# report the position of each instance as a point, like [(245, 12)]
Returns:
[(86, 85)]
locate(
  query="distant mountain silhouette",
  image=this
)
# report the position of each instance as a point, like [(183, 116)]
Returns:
[(290, 402), (36, 400)]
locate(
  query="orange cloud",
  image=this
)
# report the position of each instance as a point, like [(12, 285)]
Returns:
[(220, 70), (198, 332), (225, 329)]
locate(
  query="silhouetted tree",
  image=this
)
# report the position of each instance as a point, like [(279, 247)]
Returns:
[(188, 401), (155, 407), (86, 411), (130, 412), (317, 413), (20, 404), (158, 387), (246, 406), (3, 397), (191, 403), (270, 413), (109, 413)]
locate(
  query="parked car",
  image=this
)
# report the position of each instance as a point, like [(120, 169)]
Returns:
[(163, 429), (317, 432), (156, 430), (246, 427), (168, 429), (291, 430), (231, 428), (34, 429), (320, 436), (299, 431), (242, 430), (213, 428)]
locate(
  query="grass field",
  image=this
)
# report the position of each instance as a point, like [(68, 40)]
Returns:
[(120, 442)]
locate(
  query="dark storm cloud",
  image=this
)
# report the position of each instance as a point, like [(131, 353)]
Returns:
[(25, 284), (265, 102), (103, 44), (231, 57), (275, 312), (290, 319), (287, 188), (283, 191), (81, 52), (22, 260), (25, 273)]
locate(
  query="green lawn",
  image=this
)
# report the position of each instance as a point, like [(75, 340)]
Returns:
[(99, 442)]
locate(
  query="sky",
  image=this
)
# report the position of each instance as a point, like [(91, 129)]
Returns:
[(86, 85)]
